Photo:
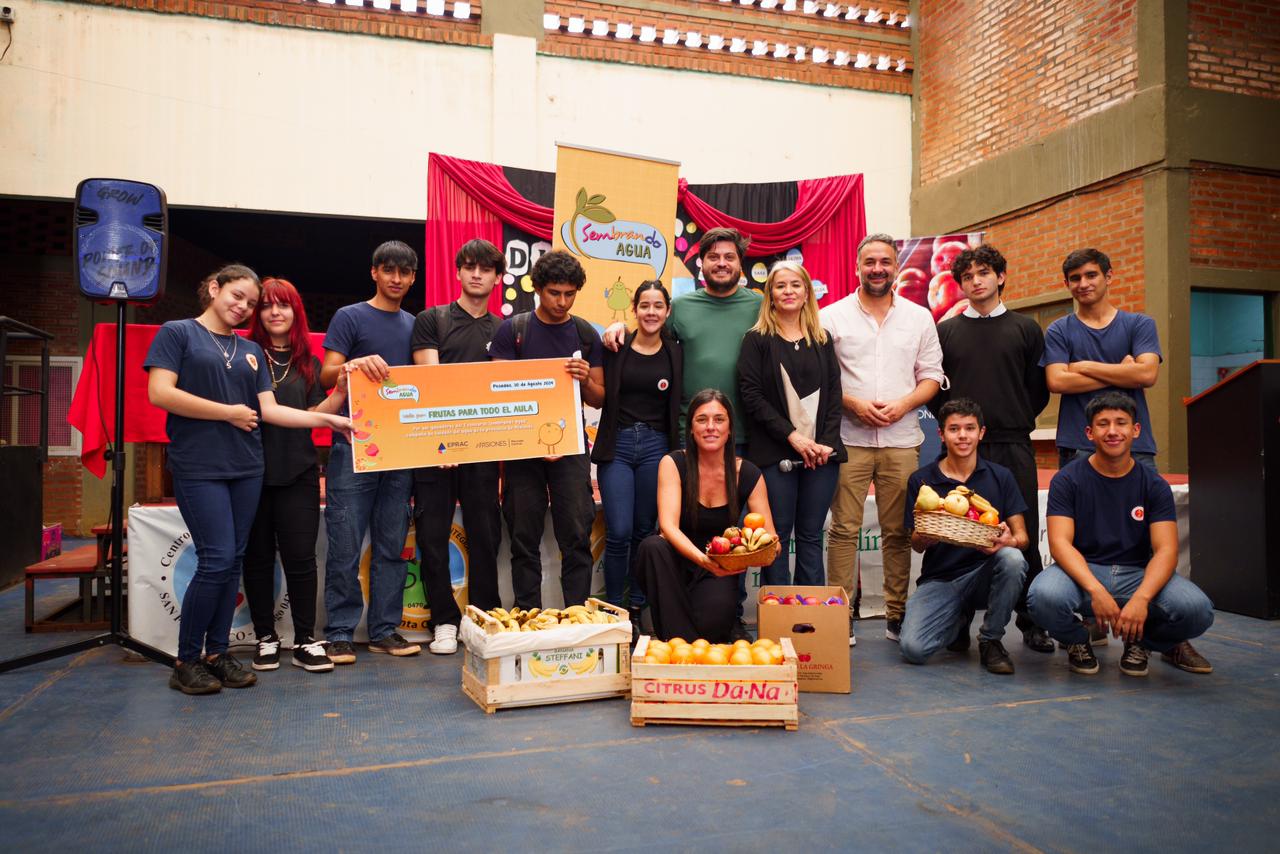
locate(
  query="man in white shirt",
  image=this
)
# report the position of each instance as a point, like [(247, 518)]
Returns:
[(890, 365)]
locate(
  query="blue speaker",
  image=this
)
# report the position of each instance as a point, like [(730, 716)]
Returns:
[(121, 228)]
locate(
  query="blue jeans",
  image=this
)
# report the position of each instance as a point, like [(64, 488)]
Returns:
[(799, 501), (219, 515), (379, 503), (1179, 612), (1066, 455), (629, 495), (936, 610)]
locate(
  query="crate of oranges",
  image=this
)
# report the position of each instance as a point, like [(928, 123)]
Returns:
[(738, 684)]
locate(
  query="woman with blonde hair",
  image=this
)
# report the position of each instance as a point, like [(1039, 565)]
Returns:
[(789, 383)]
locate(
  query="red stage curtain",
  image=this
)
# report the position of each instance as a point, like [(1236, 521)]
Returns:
[(93, 407), (466, 197)]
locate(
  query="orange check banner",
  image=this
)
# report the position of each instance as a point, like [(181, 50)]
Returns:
[(431, 415)]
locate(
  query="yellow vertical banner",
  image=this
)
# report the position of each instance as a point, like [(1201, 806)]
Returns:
[(616, 213)]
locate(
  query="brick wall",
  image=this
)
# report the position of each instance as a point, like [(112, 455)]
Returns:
[(774, 26), (338, 17), (997, 75), (1107, 216), (1235, 218), (1234, 46)]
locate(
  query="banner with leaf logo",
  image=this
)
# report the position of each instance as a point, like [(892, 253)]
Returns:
[(614, 212)]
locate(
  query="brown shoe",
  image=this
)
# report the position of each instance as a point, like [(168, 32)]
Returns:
[(1184, 657)]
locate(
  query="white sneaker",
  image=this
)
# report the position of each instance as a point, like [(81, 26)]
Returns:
[(446, 640)]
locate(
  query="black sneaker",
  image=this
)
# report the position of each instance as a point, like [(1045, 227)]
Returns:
[(268, 655), (1134, 660), (393, 644), (962, 639), (194, 678), (230, 672), (994, 657), (1037, 639), (853, 641), (892, 629), (310, 656), (342, 652), (1081, 658), (739, 631)]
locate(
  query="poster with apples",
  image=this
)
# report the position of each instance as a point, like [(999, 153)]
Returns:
[(924, 272)]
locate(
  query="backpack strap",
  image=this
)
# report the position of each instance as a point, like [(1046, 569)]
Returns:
[(444, 321), (520, 327)]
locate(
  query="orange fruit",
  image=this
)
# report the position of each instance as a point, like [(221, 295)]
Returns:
[(742, 644), (675, 642), (660, 656), (775, 653), (715, 655), (700, 643), (650, 658), (761, 655), (725, 648), (682, 655), (753, 520), (699, 653), (740, 656)]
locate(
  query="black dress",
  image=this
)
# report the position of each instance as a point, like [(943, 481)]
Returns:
[(685, 600)]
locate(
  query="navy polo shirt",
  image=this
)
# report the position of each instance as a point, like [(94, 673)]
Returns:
[(198, 448), (994, 482), (1113, 515)]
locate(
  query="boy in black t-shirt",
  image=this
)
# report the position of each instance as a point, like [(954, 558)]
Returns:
[(551, 331), (444, 335), (1114, 537), (955, 581)]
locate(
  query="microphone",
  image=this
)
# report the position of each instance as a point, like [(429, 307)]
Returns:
[(785, 466)]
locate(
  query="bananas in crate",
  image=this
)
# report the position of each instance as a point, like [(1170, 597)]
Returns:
[(536, 619)]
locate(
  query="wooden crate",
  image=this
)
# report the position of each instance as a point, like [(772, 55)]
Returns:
[(715, 695), (509, 681)]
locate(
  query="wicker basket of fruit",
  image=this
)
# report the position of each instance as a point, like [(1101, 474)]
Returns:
[(740, 548), (962, 518)]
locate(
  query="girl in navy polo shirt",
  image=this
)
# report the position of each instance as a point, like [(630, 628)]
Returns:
[(216, 387)]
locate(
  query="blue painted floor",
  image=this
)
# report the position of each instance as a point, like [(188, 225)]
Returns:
[(389, 755)]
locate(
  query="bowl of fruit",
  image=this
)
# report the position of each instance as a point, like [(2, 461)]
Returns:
[(739, 548), (961, 518)]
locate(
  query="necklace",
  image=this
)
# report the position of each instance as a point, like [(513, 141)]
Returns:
[(272, 364), (226, 357)]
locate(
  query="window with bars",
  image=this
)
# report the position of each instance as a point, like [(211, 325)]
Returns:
[(20, 414)]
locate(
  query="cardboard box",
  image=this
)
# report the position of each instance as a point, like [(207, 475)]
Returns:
[(819, 633)]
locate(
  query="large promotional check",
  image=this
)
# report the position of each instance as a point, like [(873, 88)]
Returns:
[(431, 415)]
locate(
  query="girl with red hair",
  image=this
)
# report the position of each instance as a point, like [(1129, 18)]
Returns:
[(289, 508)]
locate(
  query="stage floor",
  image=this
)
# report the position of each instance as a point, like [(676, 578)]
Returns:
[(388, 754)]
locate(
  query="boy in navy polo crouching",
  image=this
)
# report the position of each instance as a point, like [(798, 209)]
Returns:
[(1114, 537)]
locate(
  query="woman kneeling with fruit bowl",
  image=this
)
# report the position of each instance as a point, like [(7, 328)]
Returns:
[(697, 501)]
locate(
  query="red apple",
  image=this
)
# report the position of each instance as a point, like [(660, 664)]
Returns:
[(943, 293), (769, 600), (719, 546), (946, 253), (974, 513), (957, 308), (735, 541), (912, 284)]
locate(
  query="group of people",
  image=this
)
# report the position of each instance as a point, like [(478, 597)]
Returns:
[(722, 402)]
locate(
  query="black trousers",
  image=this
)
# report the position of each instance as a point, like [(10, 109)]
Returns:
[(527, 488), (685, 600), (1020, 458), (435, 493), (288, 520)]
